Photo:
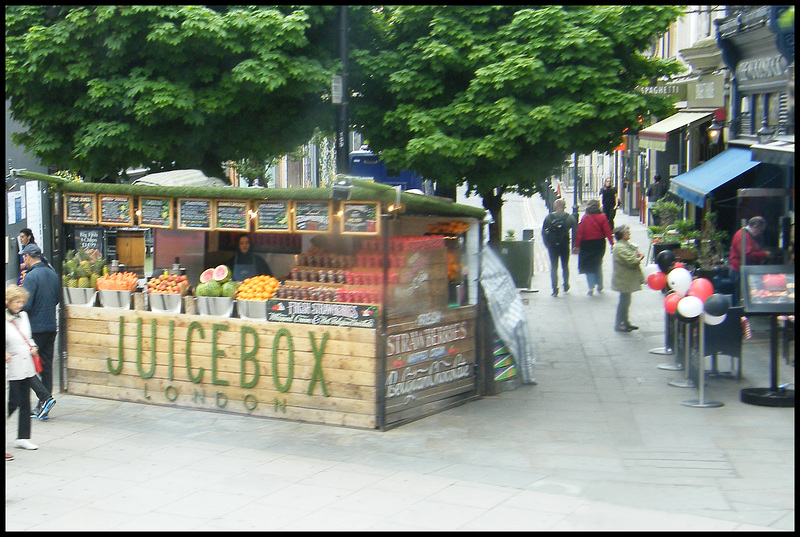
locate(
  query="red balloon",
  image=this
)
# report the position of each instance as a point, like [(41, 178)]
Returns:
[(657, 281), (702, 288), (678, 264), (671, 302)]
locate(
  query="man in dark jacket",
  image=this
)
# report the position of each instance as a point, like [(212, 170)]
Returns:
[(44, 288), (556, 231)]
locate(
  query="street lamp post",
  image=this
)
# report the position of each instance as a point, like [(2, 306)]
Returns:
[(342, 132), (574, 193)]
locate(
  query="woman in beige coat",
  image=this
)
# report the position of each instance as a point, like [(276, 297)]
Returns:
[(628, 276)]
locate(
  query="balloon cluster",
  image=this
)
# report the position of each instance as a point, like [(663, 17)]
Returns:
[(689, 298)]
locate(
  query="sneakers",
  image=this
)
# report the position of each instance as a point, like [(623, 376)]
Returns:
[(46, 406), (555, 292), (622, 328), (35, 412), (632, 327), (9, 457), (566, 288), (24, 443), (590, 293)]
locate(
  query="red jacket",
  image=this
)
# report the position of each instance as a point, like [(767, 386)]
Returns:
[(593, 226), (755, 255)]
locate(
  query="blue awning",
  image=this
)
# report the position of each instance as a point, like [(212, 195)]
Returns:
[(696, 184)]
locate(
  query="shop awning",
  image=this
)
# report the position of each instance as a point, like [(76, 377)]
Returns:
[(696, 184), (778, 152), (655, 136)]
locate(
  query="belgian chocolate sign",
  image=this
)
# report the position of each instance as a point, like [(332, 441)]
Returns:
[(312, 217), (360, 218)]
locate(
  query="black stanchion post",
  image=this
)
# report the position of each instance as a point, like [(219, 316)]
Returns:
[(686, 382), (665, 350), (701, 402)]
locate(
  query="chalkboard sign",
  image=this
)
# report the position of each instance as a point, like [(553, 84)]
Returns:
[(89, 239), (116, 210), (360, 218), (155, 212), (272, 216), (80, 209), (312, 216), (231, 215), (194, 214)]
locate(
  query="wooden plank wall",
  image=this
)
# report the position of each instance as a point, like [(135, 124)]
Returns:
[(334, 384)]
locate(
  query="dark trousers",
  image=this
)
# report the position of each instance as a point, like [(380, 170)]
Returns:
[(610, 215), (556, 253), (46, 341), (19, 398), (623, 308)]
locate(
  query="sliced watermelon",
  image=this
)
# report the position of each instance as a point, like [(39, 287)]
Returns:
[(222, 273), (207, 275)]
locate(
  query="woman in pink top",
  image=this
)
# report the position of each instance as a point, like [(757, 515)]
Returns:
[(590, 245)]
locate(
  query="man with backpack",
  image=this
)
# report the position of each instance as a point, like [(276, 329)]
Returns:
[(556, 231)]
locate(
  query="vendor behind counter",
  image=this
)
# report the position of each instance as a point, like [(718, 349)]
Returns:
[(245, 264)]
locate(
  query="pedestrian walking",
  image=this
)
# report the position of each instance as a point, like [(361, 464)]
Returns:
[(44, 290), (20, 368), (25, 238), (610, 200), (590, 245), (556, 230), (654, 193), (627, 277)]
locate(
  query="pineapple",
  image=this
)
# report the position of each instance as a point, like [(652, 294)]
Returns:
[(93, 280), (72, 281), (83, 282), (86, 266)]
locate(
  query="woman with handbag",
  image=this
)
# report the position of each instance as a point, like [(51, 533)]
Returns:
[(590, 245), (21, 354)]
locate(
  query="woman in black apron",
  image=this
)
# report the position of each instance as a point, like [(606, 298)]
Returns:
[(245, 264)]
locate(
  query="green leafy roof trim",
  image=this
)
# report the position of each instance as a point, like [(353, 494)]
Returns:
[(361, 190)]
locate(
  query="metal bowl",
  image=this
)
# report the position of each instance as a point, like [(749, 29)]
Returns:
[(165, 303), (252, 309), (79, 296), (115, 299), (221, 306)]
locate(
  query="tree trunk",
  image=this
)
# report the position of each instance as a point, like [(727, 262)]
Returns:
[(494, 204)]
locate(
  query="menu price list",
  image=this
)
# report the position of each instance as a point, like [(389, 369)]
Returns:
[(80, 208), (194, 214), (156, 212), (232, 215)]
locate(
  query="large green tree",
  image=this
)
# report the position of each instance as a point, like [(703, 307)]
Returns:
[(497, 97), (103, 88)]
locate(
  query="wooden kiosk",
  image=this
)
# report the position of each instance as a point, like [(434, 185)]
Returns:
[(375, 324)]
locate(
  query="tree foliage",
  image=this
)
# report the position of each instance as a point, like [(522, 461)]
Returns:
[(497, 97), (103, 88)]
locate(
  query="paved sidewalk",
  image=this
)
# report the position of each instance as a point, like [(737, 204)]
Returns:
[(601, 442)]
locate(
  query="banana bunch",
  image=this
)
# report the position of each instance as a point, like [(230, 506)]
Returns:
[(82, 268)]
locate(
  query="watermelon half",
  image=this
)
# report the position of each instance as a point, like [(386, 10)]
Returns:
[(222, 274), (207, 275)]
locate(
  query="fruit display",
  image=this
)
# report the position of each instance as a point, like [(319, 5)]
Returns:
[(448, 228), (82, 268), (119, 281), (257, 288), (168, 284), (215, 282)]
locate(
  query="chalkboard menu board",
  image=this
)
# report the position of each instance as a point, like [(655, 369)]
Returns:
[(272, 216), (231, 215), (312, 216), (80, 209), (89, 239), (116, 210), (361, 218), (194, 214), (155, 212)]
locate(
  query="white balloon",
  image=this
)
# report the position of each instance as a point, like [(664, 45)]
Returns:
[(690, 306), (679, 280), (650, 269), (714, 319)]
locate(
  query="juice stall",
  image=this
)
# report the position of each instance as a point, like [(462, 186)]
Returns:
[(370, 319)]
